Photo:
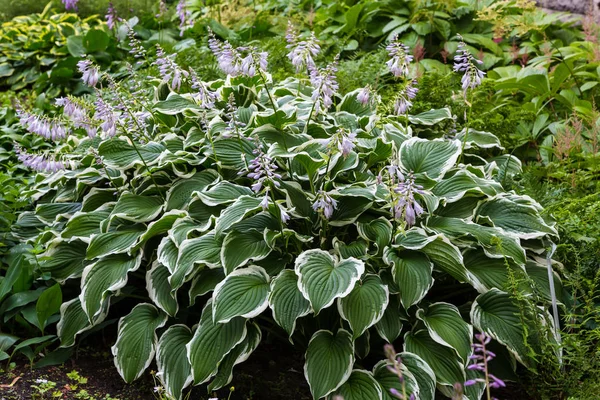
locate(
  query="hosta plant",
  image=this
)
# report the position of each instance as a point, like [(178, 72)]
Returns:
[(210, 210)]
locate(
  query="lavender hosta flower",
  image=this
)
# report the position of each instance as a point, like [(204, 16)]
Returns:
[(466, 63), (202, 94), (394, 173), (77, 114), (324, 204), (228, 58), (403, 101), (325, 85), (263, 170), (265, 201), (185, 16), (168, 69), (395, 367), (283, 215), (137, 50), (162, 9), (405, 206), (233, 124), (44, 127), (400, 58), (70, 4), (254, 61), (302, 52), (108, 117), (367, 96), (111, 16), (91, 74), (343, 141), (38, 162), (481, 357)]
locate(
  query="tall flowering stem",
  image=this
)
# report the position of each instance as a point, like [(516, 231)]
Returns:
[(70, 4), (302, 52), (400, 58), (324, 83), (111, 16), (395, 367), (184, 15), (169, 70), (481, 358)]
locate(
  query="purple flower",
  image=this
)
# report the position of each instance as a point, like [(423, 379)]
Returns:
[(107, 116), (285, 217), (232, 121), (91, 75), (481, 357), (203, 95), (325, 85), (168, 69), (465, 62), (404, 206), (70, 4), (363, 96), (400, 58), (162, 8), (403, 101), (324, 204), (111, 16), (228, 58), (265, 201), (254, 61), (137, 50), (185, 16), (343, 141), (263, 170), (38, 162), (394, 365), (44, 127), (301, 52)]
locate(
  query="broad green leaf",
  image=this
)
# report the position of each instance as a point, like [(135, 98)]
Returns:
[(241, 247), (431, 157), (329, 360), (179, 196), (205, 281), (159, 289), (211, 343), (431, 117), (378, 231), (360, 385), (322, 278), (117, 153), (464, 182), (175, 104), (160, 226), (478, 139), (137, 208), (443, 360), (235, 213), (65, 260), (84, 225), (167, 253), (286, 301), (365, 304), (112, 243), (202, 250), (223, 193), (171, 360), (243, 293), (446, 326), (349, 208), (102, 279), (388, 380), (48, 304), (136, 340), (73, 321), (412, 272), (423, 374), (95, 40), (389, 326)]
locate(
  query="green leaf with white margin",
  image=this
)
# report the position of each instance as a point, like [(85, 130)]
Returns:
[(205, 281), (223, 193), (116, 242), (180, 194), (167, 253), (159, 289), (136, 208), (422, 373), (102, 279), (365, 304), (241, 247), (171, 360), (431, 117), (134, 350), (83, 225), (329, 361), (447, 327), (117, 153), (286, 301), (160, 226), (388, 380), (389, 326), (496, 314), (73, 321), (464, 182), (443, 360), (243, 293), (235, 213), (519, 215), (211, 343), (360, 385), (378, 231), (239, 354), (64, 260), (432, 157), (444, 255), (322, 278), (202, 250), (412, 272), (478, 139), (495, 242), (349, 208)]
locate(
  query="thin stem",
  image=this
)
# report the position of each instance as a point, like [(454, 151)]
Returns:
[(487, 377), (464, 141), (267, 89)]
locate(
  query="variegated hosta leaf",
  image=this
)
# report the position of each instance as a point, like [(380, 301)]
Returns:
[(462, 182), (171, 360), (388, 380), (167, 253), (412, 272), (73, 321), (134, 349), (160, 226), (389, 326), (286, 301), (202, 250), (359, 386), (223, 193), (518, 215), (365, 304), (137, 208), (159, 289), (205, 281), (378, 231), (241, 247), (243, 293), (478, 139), (349, 208), (423, 374), (64, 260), (329, 360), (431, 157), (239, 354), (180, 194), (447, 327), (443, 360), (322, 278), (117, 153), (102, 279), (84, 225), (211, 343), (496, 314), (235, 213), (116, 242)]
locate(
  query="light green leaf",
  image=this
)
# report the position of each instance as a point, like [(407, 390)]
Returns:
[(241, 247), (286, 301), (171, 360), (365, 304), (361, 385), (329, 360), (322, 279), (117, 153), (136, 338), (243, 293), (478, 139), (48, 304), (431, 157), (412, 272), (431, 117)]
